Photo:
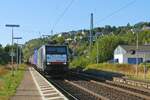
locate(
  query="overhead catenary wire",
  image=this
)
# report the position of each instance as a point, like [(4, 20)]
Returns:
[(117, 11), (62, 14)]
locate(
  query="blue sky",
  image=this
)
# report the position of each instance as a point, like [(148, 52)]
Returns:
[(37, 17)]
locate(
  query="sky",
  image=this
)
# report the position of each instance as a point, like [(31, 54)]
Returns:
[(39, 17)]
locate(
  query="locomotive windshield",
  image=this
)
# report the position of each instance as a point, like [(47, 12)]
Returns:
[(56, 49)]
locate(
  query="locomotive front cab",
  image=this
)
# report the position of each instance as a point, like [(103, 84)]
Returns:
[(56, 59)]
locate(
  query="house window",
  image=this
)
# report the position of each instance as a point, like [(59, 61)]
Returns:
[(116, 60), (134, 60)]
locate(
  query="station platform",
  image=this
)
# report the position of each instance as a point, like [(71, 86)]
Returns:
[(35, 87)]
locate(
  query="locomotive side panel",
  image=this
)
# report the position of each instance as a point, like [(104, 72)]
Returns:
[(35, 57), (41, 58)]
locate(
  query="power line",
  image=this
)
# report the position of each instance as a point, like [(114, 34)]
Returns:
[(118, 10), (62, 14)]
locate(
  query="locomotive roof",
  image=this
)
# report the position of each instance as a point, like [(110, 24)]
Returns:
[(49, 45)]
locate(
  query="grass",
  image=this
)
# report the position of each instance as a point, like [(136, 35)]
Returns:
[(126, 69), (141, 76), (9, 83)]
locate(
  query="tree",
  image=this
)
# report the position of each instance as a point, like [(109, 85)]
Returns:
[(106, 46)]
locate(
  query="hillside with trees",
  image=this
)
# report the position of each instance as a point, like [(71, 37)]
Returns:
[(105, 38)]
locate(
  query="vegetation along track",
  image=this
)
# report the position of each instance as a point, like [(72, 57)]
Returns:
[(84, 89)]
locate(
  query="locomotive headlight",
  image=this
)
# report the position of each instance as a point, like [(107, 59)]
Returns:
[(64, 63), (48, 63)]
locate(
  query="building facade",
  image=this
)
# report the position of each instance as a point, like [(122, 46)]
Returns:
[(125, 54)]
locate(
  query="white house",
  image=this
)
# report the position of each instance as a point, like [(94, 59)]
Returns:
[(130, 55)]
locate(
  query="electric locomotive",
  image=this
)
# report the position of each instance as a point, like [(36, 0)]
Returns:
[(51, 59)]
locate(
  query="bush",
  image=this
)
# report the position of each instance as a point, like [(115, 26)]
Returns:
[(80, 62)]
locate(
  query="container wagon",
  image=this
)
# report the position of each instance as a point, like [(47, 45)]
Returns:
[(35, 57)]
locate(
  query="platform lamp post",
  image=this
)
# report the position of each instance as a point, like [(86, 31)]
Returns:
[(12, 52), (17, 60)]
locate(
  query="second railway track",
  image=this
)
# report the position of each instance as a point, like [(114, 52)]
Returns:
[(141, 92), (87, 89)]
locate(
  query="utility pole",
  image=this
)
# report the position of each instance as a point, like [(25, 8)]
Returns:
[(97, 46), (91, 30), (137, 47), (97, 57), (145, 66), (20, 54), (136, 32), (52, 32), (17, 55), (12, 52)]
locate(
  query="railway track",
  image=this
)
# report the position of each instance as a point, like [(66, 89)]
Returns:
[(145, 93), (83, 88), (77, 92), (109, 91), (130, 88)]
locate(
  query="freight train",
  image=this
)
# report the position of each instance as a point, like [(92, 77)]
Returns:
[(50, 59)]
